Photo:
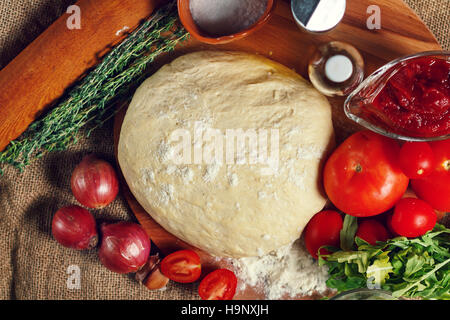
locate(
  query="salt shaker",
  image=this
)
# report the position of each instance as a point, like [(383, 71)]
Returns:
[(336, 69)]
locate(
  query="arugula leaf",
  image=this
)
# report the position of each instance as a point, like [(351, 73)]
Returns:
[(379, 271), (415, 268), (413, 265), (418, 283), (347, 234)]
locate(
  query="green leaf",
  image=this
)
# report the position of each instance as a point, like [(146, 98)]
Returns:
[(415, 268), (348, 232), (360, 258), (379, 270), (346, 284), (413, 265), (417, 284)]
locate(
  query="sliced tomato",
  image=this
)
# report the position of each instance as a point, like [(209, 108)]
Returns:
[(182, 266), (218, 285)]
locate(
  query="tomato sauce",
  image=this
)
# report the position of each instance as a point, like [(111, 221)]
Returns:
[(416, 99)]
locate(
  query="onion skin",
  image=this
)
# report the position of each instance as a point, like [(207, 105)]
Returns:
[(125, 247), (74, 227), (94, 182)]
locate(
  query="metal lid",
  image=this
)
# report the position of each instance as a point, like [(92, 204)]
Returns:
[(318, 15)]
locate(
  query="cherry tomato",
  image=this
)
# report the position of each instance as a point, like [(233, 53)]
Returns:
[(182, 266), (435, 188), (218, 285), (371, 230), (416, 159), (323, 230), (410, 194), (362, 177), (413, 218), (389, 225)]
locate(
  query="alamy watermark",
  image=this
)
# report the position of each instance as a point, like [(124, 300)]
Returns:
[(374, 20), (376, 276), (74, 20), (73, 281), (231, 146)]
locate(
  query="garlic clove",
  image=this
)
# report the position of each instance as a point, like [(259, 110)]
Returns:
[(156, 280), (152, 263)]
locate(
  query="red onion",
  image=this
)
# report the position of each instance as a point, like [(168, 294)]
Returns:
[(125, 247), (74, 227), (94, 182)]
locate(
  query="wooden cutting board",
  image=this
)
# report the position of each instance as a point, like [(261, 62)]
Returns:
[(402, 33), (52, 63)]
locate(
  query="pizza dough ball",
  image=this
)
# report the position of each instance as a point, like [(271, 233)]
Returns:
[(225, 149)]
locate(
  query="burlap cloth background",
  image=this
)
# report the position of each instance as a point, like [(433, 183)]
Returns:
[(32, 264)]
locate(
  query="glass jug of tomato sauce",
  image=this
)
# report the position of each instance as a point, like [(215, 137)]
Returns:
[(407, 99)]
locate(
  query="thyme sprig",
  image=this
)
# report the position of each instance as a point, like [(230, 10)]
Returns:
[(92, 100)]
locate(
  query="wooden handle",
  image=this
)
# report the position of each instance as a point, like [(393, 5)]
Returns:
[(57, 58)]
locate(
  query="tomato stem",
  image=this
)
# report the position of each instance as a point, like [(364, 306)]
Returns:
[(446, 165)]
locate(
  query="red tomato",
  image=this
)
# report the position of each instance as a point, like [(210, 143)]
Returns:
[(410, 194), (413, 218), (323, 230), (218, 285), (362, 177), (371, 230), (416, 159), (435, 188), (182, 266), (389, 225)]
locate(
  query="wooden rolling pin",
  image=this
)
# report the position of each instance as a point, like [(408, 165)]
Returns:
[(41, 73)]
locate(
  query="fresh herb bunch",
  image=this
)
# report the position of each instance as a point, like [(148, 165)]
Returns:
[(413, 268), (92, 100)]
